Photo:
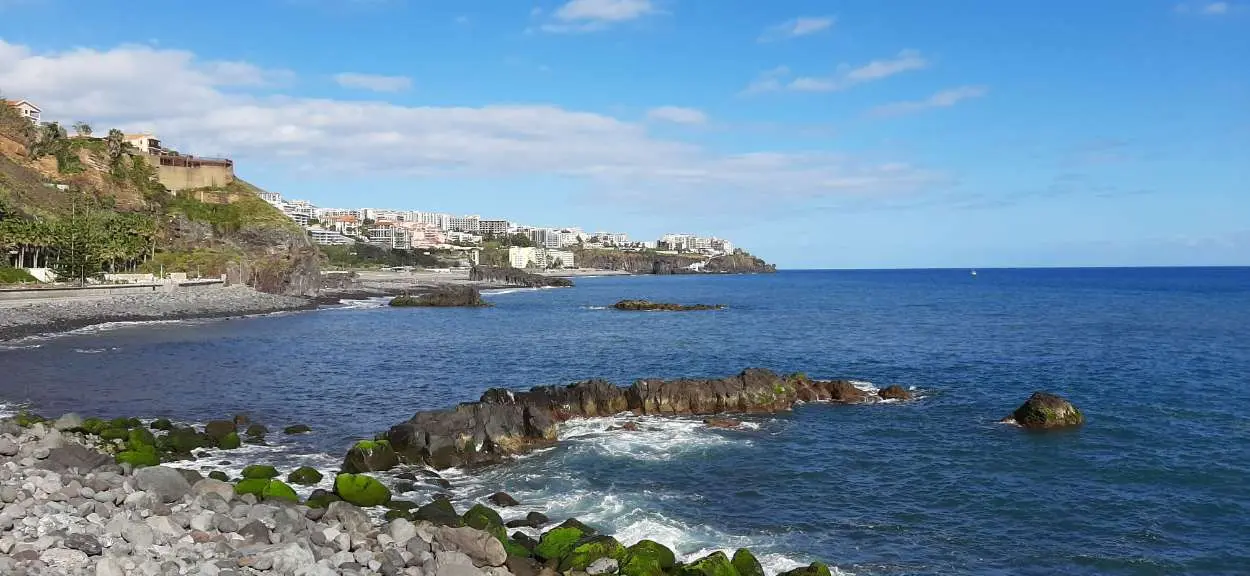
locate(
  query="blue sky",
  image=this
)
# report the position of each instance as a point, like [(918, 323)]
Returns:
[(818, 134)]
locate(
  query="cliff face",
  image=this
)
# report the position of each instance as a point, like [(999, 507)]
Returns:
[(514, 277), (652, 263), (49, 182)]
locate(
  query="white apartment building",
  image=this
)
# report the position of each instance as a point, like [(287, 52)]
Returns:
[(393, 237), (560, 259), (301, 211), (329, 237), (610, 238), (273, 198), (495, 227), (327, 213), (440, 220), (545, 237), (466, 223), (463, 238), (530, 257)]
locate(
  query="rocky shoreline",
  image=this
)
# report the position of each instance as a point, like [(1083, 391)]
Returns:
[(61, 315), (89, 497)]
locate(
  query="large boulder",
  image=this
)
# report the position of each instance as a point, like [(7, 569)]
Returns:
[(589, 550), (74, 456), (894, 392), (1044, 411), (218, 429), (166, 483), (439, 512), (814, 569), (361, 490), (370, 456), (556, 543), (714, 564), (483, 548), (486, 520), (647, 558), (746, 564), (304, 475)]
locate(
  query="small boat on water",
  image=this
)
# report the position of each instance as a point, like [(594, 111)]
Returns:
[(974, 273)]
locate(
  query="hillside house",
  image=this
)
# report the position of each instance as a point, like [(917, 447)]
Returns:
[(27, 109)]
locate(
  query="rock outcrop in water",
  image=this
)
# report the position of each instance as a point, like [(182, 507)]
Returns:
[(515, 277), (1044, 411), (648, 306), (443, 297), (506, 422)]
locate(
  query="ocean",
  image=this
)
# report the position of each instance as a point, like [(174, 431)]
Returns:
[(1156, 482)]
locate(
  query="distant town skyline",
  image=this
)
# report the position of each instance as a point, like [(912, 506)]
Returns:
[(860, 134)]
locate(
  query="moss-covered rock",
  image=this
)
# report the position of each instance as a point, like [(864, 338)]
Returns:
[(162, 424), (556, 543), (112, 433), (266, 488), (514, 548), (139, 457), (230, 441), (439, 512), (296, 429), (125, 423), (320, 499), (261, 471), (278, 490), (647, 558), (218, 429), (1044, 410), (93, 425), (27, 419), (746, 564), (254, 486), (361, 490), (587, 550), (815, 569), (140, 437), (304, 475), (714, 564), (219, 475), (370, 456), (256, 431), (394, 514), (486, 520), (182, 440)]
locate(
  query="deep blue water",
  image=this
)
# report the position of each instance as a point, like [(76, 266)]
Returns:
[(1157, 482)]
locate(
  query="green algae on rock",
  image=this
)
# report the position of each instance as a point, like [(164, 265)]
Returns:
[(361, 490)]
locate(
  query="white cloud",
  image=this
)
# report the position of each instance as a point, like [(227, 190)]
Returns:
[(374, 82), (775, 80), (796, 28), (677, 115), (592, 15), (204, 107), (943, 99)]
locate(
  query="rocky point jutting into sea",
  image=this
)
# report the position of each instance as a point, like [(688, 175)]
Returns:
[(506, 423)]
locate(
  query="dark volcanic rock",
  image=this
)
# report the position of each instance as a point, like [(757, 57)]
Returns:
[(444, 297), (894, 392), (515, 277), (722, 423), (1044, 410), (648, 306), (502, 499), (507, 422)]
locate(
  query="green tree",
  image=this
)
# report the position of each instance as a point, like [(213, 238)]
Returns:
[(82, 129)]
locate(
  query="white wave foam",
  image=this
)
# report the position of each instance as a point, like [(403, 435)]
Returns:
[(7, 347), (864, 386), (595, 307), (655, 439), (370, 303)]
